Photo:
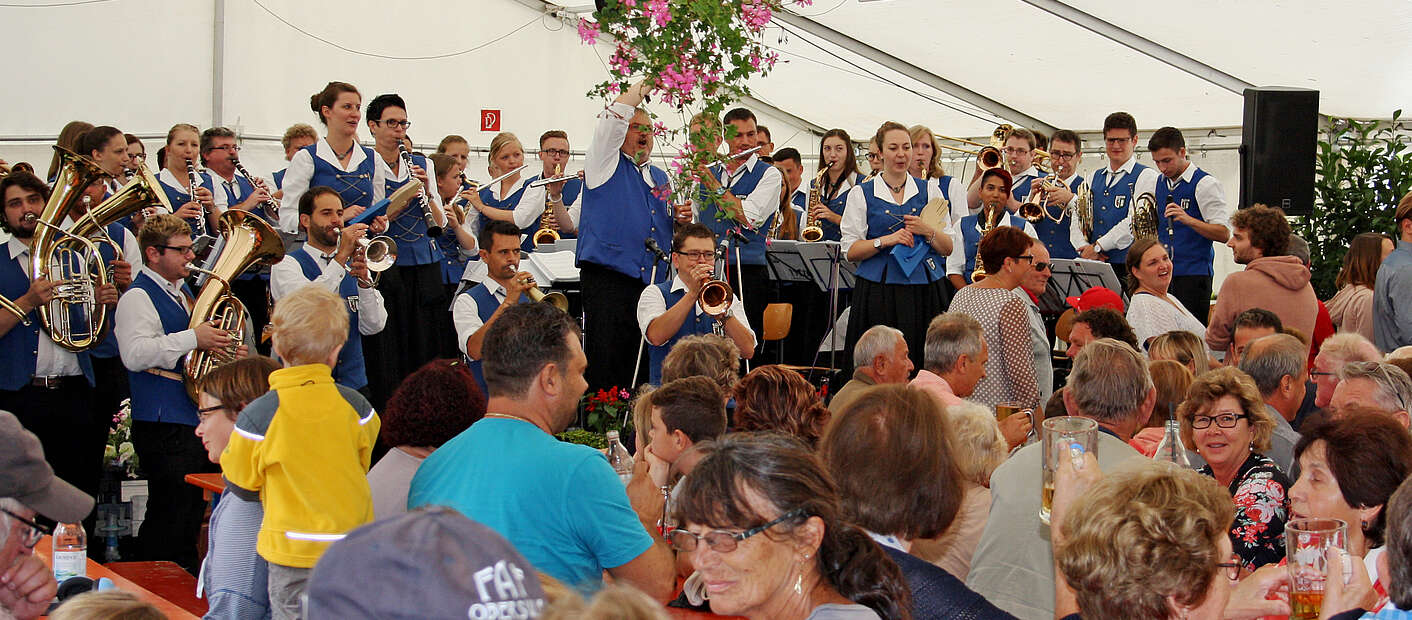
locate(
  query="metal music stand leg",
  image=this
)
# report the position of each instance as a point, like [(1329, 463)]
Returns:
[(740, 279), (642, 342), (832, 336)]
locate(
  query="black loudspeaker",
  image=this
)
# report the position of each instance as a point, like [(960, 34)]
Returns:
[(1278, 147)]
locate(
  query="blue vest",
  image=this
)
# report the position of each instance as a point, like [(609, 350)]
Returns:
[(971, 237), (572, 188), (279, 178), (243, 189), (509, 203), (19, 348), (1191, 253), (108, 346), (452, 265), (1056, 236), (414, 247), (354, 186), (883, 218), (1112, 204), (486, 303), (752, 253), (154, 398), (618, 216), (837, 204), (178, 199), (1021, 188), (350, 370), (695, 323)]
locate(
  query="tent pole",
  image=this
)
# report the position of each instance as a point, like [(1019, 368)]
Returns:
[(218, 63)]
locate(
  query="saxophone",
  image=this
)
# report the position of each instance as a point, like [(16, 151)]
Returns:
[(979, 273), (812, 231), (546, 233)]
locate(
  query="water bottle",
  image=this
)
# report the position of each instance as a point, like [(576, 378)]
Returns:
[(619, 458), (69, 551), (1170, 449)]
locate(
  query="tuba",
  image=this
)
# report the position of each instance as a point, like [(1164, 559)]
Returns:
[(246, 241), (979, 273), (1144, 216), (812, 231)]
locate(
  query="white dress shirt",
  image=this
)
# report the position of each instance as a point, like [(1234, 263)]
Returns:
[(465, 313), (287, 276), (538, 196), (601, 160), (653, 304), (761, 202), (1121, 235), (51, 360), (301, 170), (855, 214), (142, 340)]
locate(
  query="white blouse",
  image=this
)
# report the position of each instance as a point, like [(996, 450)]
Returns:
[(1151, 316)]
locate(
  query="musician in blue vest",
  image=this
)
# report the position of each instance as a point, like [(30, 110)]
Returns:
[(509, 199), (504, 286), (298, 137), (624, 204), (331, 258), (107, 147), (901, 259), (154, 339), (837, 156), (1195, 213), (1114, 188), (458, 242), (746, 193), (966, 235), (559, 201), (1065, 153), (219, 152), (49, 388), (670, 311), (184, 144), (1018, 157), (336, 160)]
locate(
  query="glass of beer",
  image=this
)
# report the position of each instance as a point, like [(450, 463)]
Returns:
[(1064, 439), (1005, 410), (1306, 544)]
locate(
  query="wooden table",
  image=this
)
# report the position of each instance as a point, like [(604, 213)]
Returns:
[(96, 570), (210, 484)]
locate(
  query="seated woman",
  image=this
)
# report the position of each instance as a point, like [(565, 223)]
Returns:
[(907, 426), (1225, 421), (429, 408), (1348, 468), (1152, 310), (775, 398), (233, 576), (760, 520), (979, 447), (1171, 380), (1181, 346)]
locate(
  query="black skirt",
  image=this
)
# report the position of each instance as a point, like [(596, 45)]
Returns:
[(906, 307), (418, 328)]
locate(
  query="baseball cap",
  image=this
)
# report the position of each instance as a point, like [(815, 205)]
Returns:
[(1097, 297), (432, 562), (26, 477)]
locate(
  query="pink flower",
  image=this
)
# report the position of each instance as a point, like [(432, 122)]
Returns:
[(755, 61), (657, 9), (588, 31), (755, 13)]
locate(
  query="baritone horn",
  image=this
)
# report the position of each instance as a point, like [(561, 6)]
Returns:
[(247, 241)]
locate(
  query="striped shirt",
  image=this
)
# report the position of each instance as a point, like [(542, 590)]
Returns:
[(234, 576)]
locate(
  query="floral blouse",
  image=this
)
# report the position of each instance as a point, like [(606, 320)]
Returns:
[(1261, 508)]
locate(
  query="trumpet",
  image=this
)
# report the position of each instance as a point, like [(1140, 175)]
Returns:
[(271, 205), (432, 229), (379, 252), (546, 233), (812, 231), (553, 298), (992, 219), (1033, 208)]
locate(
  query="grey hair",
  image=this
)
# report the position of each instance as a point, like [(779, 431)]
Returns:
[(878, 340), (949, 336), (1345, 347), (1270, 358), (13, 505), (1394, 391), (1109, 381), (976, 441)]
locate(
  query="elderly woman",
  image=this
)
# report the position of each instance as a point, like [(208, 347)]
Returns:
[(775, 398), (1152, 310), (428, 409), (760, 519), (909, 427), (1225, 421), (978, 447), (1010, 371), (1348, 468), (233, 576), (1181, 346)]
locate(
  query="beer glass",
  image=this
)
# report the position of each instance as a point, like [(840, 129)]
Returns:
[(1064, 438), (1306, 544)]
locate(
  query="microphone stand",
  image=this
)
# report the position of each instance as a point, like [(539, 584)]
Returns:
[(657, 256), (734, 234)]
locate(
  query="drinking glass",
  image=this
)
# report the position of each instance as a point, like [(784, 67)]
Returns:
[(1306, 544), (1064, 438)]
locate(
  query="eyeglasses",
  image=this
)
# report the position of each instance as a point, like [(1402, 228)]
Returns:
[(1042, 266), (1232, 567), (1117, 140), (1010, 150), (1225, 420), (1028, 257), (403, 124), (227, 147), (702, 255), (559, 152), (35, 532), (874, 156), (1320, 373), (205, 412), (180, 249), (724, 542), (1058, 155)]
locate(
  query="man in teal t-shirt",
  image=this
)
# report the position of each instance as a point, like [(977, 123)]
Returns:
[(560, 504)]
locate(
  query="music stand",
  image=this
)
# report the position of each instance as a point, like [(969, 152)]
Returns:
[(831, 273), (785, 261), (1071, 277)]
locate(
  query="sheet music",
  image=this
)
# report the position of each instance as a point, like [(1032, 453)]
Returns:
[(557, 267)]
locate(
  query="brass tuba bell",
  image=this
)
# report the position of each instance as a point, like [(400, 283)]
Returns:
[(1144, 216)]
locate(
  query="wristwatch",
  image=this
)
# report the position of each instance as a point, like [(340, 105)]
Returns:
[(877, 243)]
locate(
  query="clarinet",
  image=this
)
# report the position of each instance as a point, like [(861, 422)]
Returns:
[(432, 229), (195, 183), (271, 205)]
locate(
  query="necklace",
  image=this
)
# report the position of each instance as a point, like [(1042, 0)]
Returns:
[(510, 417), (341, 156), (898, 189)]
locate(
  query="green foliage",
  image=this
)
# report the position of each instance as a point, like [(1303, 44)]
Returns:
[(1363, 168), (584, 438)]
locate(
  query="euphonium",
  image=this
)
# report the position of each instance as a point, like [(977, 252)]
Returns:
[(546, 233), (553, 298), (812, 231), (248, 240), (1144, 216), (979, 273)]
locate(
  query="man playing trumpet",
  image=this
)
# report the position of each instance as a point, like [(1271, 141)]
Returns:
[(504, 285), (670, 311)]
